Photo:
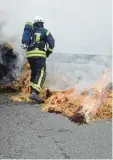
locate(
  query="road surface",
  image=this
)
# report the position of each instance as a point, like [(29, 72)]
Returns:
[(28, 133)]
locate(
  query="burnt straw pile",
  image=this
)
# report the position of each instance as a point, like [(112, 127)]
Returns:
[(81, 107)]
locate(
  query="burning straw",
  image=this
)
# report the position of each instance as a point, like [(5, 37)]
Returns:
[(91, 104)]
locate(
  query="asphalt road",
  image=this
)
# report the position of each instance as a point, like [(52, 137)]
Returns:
[(28, 133)]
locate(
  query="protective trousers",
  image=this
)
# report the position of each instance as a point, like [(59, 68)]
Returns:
[(38, 73)]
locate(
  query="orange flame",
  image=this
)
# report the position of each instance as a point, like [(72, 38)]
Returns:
[(95, 102), (92, 103)]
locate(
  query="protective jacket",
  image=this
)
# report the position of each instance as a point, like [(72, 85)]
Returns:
[(40, 41)]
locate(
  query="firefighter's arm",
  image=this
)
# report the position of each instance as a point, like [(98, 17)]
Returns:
[(51, 43)]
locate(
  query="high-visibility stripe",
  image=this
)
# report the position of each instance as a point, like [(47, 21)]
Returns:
[(38, 37), (35, 55), (29, 23), (49, 49), (41, 77), (38, 86), (47, 33), (35, 86), (36, 52)]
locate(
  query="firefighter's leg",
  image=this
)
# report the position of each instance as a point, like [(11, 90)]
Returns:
[(44, 78), (40, 73), (32, 63), (39, 79)]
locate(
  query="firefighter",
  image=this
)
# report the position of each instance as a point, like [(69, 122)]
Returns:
[(40, 46)]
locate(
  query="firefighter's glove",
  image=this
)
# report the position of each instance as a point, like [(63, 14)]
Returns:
[(48, 53)]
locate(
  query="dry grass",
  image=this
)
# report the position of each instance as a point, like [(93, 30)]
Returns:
[(68, 103)]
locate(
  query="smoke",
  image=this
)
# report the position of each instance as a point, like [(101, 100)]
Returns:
[(78, 71), (15, 41), (64, 71)]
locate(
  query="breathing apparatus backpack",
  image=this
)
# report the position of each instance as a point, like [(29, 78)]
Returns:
[(27, 33)]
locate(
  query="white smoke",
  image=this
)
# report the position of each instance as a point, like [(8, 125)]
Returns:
[(15, 42), (75, 71)]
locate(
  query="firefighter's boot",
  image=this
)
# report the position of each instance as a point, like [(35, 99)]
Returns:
[(35, 96)]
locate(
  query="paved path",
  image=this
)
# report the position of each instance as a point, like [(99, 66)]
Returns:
[(26, 132)]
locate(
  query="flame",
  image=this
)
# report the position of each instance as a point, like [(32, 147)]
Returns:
[(92, 103)]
